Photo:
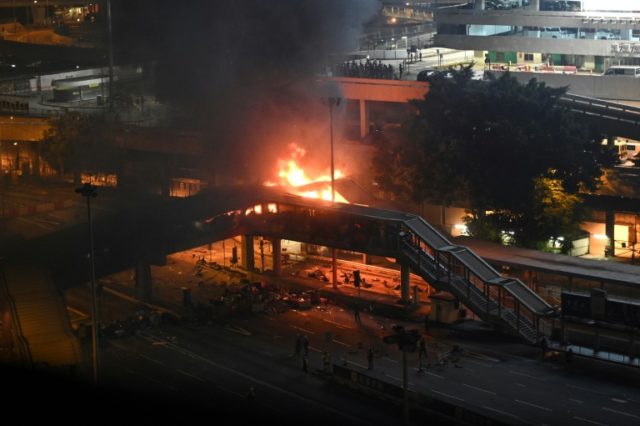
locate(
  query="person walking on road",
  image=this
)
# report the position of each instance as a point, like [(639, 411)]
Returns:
[(422, 351), (370, 358), (356, 313), (544, 345), (304, 363), (305, 344), (326, 361), (298, 344)]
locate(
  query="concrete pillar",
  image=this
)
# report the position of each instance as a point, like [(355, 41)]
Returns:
[(366, 258), (277, 256), (610, 220), (479, 5), (246, 244), (144, 285), (626, 34), (364, 118), (405, 283), (534, 5)]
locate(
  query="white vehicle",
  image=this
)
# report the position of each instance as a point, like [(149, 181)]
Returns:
[(623, 70)]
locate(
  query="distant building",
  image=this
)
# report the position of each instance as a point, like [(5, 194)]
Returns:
[(588, 34)]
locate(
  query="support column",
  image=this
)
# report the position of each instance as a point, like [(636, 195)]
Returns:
[(405, 283), (610, 220), (479, 5), (276, 243), (144, 284), (246, 244), (364, 118), (535, 5), (366, 258)]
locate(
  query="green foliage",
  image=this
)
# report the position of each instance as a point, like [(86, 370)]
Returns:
[(77, 142), (499, 146)]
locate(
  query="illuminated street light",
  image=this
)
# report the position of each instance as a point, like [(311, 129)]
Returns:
[(89, 191), (332, 101)]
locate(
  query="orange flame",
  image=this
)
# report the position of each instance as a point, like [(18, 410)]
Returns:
[(293, 175)]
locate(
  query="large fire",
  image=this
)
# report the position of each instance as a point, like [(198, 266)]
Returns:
[(291, 174)]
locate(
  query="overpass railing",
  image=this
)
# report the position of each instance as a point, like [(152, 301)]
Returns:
[(600, 108), (456, 269)]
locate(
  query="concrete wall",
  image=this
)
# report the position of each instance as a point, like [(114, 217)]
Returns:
[(594, 86), (527, 44), (381, 90)]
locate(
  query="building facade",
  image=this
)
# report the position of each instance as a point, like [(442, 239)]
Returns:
[(589, 34)]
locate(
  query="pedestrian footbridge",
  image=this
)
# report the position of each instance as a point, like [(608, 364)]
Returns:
[(152, 231)]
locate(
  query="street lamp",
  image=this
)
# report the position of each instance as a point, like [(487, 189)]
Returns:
[(110, 34), (332, 101), (406, 341), (89, 191)]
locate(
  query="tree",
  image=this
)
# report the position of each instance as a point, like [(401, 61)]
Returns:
[(501, 148), (81, 143)]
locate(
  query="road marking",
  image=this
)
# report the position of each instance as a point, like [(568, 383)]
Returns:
[(394, 377), (533, 405), (446, 394), (483, 357), (300, 313), (520, 384), (337, 324), (590, 421), (355, 363), (526, 375), (200, 379), (585, 389), (290, 394), (342, 343), (621, 401), (479, 389), (315, 349), (390, 359), (576, 401), (238, 330), (302, 329), (270, 319), (621, 412), (229, 391), (434, 375), (479, 363), (152, 360), (119, 346), (501, 412)]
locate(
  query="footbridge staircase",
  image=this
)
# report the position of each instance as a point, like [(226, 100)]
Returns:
[(504, 302)]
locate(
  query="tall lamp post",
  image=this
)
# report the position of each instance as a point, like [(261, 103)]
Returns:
[(89, 191), (406, 341), (110, 34), (332, 101)]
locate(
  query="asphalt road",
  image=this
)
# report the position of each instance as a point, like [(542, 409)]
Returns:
[(201, 365)]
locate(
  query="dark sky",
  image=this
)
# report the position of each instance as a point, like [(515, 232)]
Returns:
[(204, 45), (236, 67)]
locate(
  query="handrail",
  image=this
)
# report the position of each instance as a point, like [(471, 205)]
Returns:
[(440, 244), (22, 343)]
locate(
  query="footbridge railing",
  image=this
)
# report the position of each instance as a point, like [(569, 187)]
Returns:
[(505, 302)]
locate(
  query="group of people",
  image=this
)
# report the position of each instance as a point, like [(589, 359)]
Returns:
[(370, 69)]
